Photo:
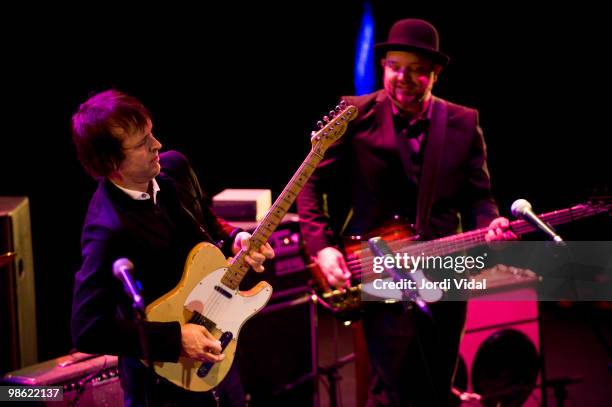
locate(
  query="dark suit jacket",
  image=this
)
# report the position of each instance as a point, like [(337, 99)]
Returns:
[(363, 176), (157, 239)]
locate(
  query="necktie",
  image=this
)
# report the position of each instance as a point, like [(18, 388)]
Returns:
[(410, 140)]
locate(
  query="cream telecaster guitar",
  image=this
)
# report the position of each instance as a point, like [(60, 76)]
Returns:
[(208, 292)]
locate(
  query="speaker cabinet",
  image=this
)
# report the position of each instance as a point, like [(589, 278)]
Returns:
[(287, 272), (500, 350), (277, 347), (87, 380), (17, 294), (278, 354)]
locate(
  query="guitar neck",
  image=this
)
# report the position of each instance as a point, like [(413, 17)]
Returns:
[(239, 267), (474, 238), (320, 140), (284, 201)]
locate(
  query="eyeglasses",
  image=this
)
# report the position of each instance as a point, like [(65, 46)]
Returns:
[(413, 70), (145, 142)]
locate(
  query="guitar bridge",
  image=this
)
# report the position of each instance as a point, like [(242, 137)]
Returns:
[(200, 319)]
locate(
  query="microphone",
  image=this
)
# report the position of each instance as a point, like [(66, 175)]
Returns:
[(521, 209), (122, 270)]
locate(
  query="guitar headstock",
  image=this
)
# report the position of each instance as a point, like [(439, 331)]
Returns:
[(332, 127), (602, 203)]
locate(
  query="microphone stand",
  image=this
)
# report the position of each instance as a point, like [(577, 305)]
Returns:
[(122, 269), (333, 376), (559, 387), (140, 319)]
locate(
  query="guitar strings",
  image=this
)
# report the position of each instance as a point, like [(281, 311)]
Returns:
[(454, 243), (214, 304)]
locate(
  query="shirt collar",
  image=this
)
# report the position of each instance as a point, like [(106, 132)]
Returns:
[(139, 195), (415, 127), (425, 115)]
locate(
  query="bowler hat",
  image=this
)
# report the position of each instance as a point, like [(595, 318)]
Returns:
[(414, 35)]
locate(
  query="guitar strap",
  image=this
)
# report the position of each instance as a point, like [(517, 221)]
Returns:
[(193, 195)]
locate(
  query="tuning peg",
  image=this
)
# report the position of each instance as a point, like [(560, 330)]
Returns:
[(338, 109), (332, 113), (342, 104), (320, 124), (326, 119)]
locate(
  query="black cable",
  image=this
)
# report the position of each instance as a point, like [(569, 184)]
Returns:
[(82, 384)]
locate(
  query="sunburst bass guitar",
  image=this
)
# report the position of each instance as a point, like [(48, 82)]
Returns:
[(346, 303), (208, 292)]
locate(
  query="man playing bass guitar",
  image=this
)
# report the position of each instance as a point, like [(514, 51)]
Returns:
[(411, 154)]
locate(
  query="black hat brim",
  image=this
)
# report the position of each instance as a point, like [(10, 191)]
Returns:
[(436, 56)]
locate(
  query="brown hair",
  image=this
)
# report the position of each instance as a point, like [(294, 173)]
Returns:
[(98, 149)]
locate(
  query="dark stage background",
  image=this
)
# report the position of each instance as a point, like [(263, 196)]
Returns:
[(239, 88)]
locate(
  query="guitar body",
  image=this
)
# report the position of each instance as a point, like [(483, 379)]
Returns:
[(355, 247), (346, 302), (394, 230), (198, 292)]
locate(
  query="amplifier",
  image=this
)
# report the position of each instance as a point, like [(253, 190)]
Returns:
[(242, 204), (88, 380), (287, 272), (17, 288), (278, 354)]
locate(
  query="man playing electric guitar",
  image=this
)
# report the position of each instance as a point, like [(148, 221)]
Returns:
[(148, 207)]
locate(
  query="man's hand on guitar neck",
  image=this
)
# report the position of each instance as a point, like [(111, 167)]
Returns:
[(332, 264), (254, 258), (199, 344), (499, 229)]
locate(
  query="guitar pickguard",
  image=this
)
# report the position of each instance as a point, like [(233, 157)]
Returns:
[(227, 308)]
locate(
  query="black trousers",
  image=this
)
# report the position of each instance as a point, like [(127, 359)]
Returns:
[(162, 393), (413, 356)]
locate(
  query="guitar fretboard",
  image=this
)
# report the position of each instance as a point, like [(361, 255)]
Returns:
[(273, 218), (321, 140), (474, 238), (468, 240)]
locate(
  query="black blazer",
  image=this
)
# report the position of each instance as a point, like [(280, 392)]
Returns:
[(157, 239), (363, 176)]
